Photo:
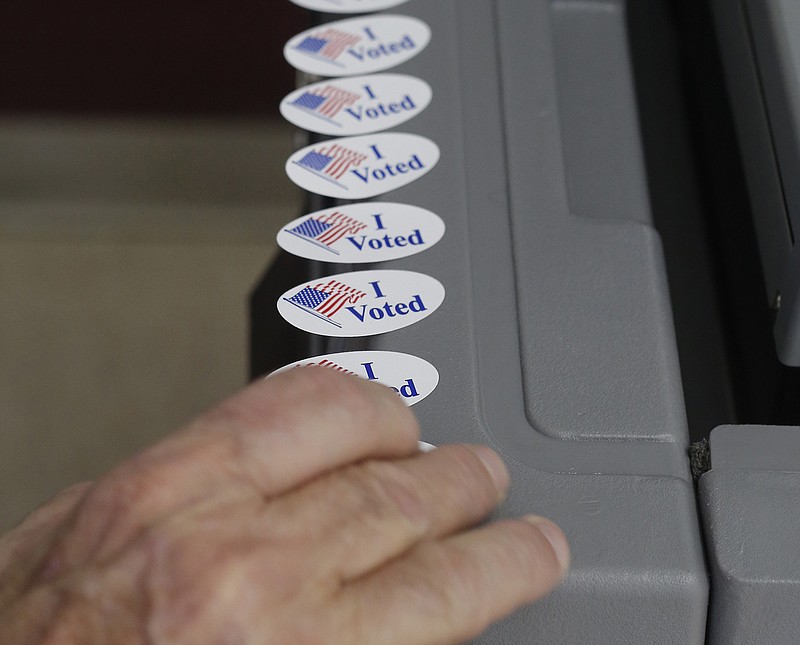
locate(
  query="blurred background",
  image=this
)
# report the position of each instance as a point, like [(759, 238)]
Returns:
[(141, 186)]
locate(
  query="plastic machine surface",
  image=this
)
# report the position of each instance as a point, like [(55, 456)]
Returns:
[(751, 511), (541, 352), (555, 343)]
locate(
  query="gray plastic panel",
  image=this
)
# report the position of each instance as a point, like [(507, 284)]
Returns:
[(598, 111), (755, 138), (760, 46), (584, 301), (555, 342), (750, 504), (775, 32)]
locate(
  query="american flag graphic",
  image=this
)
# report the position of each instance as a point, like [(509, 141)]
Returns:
[(331, 365), (326, 102), (324, 300), (326, 230), (331, 162), (328, 44)]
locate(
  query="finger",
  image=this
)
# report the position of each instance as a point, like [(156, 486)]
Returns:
[(450, 591), (358, 518), (273, 436), (22, 548), (49, 515), (296, 426)]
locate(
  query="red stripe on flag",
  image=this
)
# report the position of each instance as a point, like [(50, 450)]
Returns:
[(338, 41), (341, 225), (341, 295), (336, 100)]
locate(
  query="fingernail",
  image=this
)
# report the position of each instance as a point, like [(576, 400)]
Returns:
[(555, 536), (495, 466)]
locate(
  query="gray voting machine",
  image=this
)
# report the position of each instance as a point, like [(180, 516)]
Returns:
[(620, 185)]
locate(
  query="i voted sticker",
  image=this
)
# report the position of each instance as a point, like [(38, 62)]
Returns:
[(362, 167), (366, 232), (361, 303), (348, 6), (411, 377), (359, 105), (357, 45)]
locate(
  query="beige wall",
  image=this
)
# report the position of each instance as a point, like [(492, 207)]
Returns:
[(127, 252)]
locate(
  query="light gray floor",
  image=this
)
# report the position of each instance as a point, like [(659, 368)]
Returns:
[(127, 252)]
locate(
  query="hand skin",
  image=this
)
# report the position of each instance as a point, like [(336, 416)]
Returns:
[(299, 512)]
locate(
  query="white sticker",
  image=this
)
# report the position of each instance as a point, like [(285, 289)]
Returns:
[(348, 6), (357, 45), (358, 105), (411, 377), (362, 167), (365, 232), (361, 303)]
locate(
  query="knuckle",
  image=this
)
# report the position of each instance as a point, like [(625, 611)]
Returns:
[(68, 617), (472, 479), (384, 492), (87, 609), (322, 384), (113, 507), (364, 401), (447, 587), (464, 584), (530, 552), (226, 415), (119, 494)]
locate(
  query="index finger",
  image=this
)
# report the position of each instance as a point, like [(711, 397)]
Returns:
[(294, 426), (287, 429)]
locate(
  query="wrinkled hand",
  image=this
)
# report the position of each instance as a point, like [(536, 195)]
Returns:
[(299, 512)]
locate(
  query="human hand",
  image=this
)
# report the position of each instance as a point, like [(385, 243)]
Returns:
[(298, 512)]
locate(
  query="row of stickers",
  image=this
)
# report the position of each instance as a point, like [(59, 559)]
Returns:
[(362, 163)]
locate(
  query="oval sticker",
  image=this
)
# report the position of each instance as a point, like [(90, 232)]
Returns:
[(362, 167), (348, 6), (357, 45), (358, 105), (411, 377), (361, 303), (365, 232)]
